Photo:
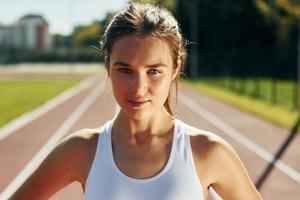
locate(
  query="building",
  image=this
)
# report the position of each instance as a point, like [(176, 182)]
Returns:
[(31, 33), (36, 31), (12, 36)]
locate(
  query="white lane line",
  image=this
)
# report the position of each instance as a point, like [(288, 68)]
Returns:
[(26, 118), (52, 142), (229, 130)]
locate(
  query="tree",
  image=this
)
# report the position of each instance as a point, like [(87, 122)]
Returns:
[(283, 12), (85, 36), (232, 35), (61, 41), (286, 15)]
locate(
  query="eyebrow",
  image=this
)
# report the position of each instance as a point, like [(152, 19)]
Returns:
[(148, 66)]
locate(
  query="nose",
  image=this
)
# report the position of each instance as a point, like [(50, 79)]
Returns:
[(139, 85)]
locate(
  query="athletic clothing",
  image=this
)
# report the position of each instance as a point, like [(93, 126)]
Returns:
[(178, 180)]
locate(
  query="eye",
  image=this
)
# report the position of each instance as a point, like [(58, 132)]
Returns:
[(154, 71), (124, 70)]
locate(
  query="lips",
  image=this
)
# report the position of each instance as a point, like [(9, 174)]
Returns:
[(138, 103)]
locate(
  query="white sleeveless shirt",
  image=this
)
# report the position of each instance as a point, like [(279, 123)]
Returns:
[(178, 180)]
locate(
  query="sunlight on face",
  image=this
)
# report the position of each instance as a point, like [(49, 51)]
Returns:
[(141, 71)]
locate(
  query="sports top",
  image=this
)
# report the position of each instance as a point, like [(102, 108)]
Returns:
[(177, 180)]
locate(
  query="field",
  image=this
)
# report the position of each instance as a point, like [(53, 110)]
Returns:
[(26, 87), (18, 97), (278, 92), (280, 110)]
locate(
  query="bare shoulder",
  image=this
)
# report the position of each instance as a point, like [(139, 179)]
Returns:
[(81, 147), (69, 161), (220, 166), (211, 149), (81, 137), (205, 143), (79, 142)]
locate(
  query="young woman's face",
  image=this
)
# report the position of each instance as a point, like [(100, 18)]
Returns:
[(141, 71)]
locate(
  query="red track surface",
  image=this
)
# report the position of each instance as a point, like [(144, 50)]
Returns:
[(18, 149)]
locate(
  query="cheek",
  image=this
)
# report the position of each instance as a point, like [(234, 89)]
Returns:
[(161, 87), (118, 79), (118, 87), (158, 87)]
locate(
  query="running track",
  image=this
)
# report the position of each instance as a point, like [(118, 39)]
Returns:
[(254, 140)]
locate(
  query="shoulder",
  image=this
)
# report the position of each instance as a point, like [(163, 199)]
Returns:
[(87, 137), (220, 166), (69, 161), (82, 142), (205, 141), (212, 150), (81, 137), (76, 152)]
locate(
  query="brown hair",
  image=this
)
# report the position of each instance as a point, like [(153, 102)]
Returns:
[(142, 20)]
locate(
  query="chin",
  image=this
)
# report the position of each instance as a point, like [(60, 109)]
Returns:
[(137, 114)]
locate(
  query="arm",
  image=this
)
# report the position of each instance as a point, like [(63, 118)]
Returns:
[(57, 170), (232, 181)]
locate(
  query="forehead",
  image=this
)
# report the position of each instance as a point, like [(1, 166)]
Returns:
[(137, 50)]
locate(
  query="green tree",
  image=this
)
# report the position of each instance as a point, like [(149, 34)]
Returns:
[(86, 36), (283, 12), (286, 15), (232, 34), (61, 41)]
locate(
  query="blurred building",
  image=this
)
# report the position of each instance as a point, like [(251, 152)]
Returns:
[(31, 32)]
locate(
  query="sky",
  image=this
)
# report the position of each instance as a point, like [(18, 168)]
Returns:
[(62, 15)]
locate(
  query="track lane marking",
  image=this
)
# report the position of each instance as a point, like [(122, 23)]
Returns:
[(233, 133), (52, 142), (30, 116)]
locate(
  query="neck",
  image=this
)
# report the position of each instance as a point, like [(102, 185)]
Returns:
[(138, 131)]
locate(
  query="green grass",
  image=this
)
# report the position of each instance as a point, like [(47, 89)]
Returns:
[(262, 89), (18, 97), (279, 114)]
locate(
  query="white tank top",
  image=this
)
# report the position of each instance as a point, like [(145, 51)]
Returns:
[(178, 179)]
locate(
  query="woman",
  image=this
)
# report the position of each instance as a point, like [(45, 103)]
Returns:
[(144, 152)]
